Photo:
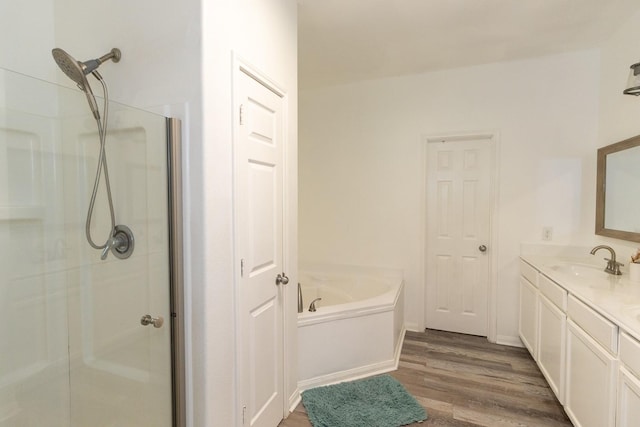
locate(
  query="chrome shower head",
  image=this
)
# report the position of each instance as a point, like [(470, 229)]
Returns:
[(70, 67), (77, 70)]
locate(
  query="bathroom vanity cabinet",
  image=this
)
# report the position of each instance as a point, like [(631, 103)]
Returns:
[(591, 360)]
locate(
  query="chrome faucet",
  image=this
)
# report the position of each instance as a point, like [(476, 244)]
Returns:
[(116, 243), (300, 301), (312, 306), (613, 267)]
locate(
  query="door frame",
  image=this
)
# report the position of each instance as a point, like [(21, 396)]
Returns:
[(241, 66), (492, 138), (176, 271)]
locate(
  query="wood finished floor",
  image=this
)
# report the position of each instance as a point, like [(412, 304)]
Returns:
[(464, 380)]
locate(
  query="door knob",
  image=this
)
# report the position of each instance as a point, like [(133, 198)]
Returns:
[(282, 278), (157, 322), (482, 248)]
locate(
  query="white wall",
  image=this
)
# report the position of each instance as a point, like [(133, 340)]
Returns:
[(27, 29), (160, 46), (619, 116), (264, 34), (361, 163)]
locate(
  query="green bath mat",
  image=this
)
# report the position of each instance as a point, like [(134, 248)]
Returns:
[(372, 402)]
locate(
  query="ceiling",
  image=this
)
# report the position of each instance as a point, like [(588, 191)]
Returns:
[(342, 41)]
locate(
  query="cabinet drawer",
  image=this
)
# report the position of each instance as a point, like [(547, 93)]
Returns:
[(630, 353), (553, 292), (599, 328), (529, 273)]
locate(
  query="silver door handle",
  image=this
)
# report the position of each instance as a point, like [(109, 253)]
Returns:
[(482, 248), (157, 322), (282, 279)]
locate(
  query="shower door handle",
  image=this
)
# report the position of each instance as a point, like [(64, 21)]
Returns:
[(157, 322)]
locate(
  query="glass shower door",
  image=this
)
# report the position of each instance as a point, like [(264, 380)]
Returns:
[(74, 351), (34, 386)]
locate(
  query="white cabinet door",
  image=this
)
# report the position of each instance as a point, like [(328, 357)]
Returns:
[(552, 344), (528, 321), (628, 399), (591, 375)]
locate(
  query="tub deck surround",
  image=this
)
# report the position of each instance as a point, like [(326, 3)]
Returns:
[(343, 293), (615, 297), (358, 333)]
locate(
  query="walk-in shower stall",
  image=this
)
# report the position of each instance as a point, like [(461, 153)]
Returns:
[(87, 339)]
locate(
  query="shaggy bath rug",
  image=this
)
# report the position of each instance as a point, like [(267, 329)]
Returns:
[(371, 402)]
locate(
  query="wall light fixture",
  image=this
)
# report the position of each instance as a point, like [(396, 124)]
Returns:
[(633, 83)]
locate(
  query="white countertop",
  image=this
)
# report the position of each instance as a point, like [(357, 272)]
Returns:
[(614, 297)]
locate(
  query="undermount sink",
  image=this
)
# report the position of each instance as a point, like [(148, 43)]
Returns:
[(580, 270)]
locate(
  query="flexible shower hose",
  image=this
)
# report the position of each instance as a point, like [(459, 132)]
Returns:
[(102, 163)]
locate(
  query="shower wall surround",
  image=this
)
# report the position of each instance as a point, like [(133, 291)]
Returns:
[(72, 349)]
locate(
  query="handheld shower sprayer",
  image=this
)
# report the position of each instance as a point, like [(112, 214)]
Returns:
[(77, 71), (120, 240)]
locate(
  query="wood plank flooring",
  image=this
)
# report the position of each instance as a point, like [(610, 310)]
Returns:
[(464, 380)]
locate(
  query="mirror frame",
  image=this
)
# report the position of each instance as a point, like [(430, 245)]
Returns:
[(601, 183)]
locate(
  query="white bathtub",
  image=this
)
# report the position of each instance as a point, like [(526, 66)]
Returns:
[(358, 327)]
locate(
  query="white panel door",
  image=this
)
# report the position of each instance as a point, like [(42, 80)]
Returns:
[(458, 227), (259, 201)]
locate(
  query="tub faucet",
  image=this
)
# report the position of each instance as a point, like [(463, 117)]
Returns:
[(613, 267), (312, 306), (300, 301)]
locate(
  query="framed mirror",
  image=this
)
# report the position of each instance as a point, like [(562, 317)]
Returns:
[(618, 190)]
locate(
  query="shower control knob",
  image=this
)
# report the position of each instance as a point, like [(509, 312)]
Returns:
[(157, 322), (282, 279)]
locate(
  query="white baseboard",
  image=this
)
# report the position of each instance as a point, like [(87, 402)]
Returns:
[(509, 340), (294, 400), (413, 327), (356, 373)]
